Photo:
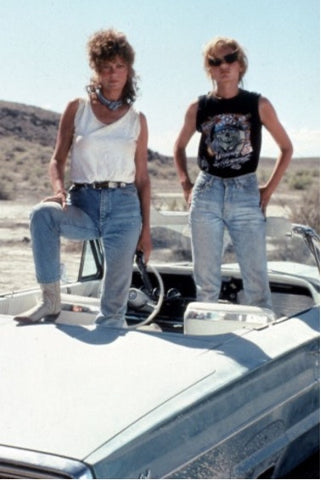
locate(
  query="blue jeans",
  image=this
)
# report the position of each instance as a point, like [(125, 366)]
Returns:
[(233, 203), (112, 214)]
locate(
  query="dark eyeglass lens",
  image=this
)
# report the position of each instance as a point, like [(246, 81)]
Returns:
[(214, 62), (229, 58)]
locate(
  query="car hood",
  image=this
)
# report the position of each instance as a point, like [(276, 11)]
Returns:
[(297, 269), (67, 390), (309, 272)]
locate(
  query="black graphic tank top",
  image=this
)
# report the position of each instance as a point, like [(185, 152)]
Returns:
[(231, 134)]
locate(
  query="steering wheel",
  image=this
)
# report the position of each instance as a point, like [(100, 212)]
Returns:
[(142, 299)]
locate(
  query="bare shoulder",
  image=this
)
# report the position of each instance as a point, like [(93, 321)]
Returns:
[(143, 126), (266, 110), (143, 133), (142, 118), (191, 115), (192, 109), (67, 119), (265, 104), (72, 106), (270, 120), (68, 116), (189, 127)]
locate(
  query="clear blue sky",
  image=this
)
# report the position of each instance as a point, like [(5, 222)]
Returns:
[(44, 59)]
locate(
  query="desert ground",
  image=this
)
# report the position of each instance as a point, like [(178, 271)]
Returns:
[(15, 249), (16, 264)]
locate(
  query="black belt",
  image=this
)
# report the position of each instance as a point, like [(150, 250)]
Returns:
[(101, 185)]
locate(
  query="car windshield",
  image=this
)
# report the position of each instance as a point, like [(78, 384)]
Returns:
[(285, 242), (289, 249)]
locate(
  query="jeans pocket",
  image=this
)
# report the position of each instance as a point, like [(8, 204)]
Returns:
[(247, 183), (83, 197), (129, 190), (203, 183), (247, 191)]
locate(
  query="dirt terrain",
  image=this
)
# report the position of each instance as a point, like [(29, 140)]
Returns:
[(15, 250)]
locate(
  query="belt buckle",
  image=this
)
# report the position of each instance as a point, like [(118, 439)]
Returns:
[(100, 185), (113, 184)]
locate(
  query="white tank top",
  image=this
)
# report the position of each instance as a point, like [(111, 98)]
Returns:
[(103, 152)]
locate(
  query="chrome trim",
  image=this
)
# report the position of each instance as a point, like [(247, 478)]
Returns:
[(20, 463)]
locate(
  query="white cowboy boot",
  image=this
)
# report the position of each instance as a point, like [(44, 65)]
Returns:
[(48, 309)]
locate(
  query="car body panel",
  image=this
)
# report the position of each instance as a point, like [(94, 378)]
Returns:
[(163, 371), (239, 401)]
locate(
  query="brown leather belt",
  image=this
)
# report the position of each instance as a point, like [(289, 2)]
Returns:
[(101, 185)]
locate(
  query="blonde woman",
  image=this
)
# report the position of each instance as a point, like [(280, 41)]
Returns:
[(226, 193)]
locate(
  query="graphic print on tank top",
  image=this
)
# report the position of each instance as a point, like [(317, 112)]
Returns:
[(227, 137)]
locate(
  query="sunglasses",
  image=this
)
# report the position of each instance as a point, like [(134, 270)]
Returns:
[(229, 58)]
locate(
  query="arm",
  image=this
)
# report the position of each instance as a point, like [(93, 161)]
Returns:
[(189, 128), (272, 124), (59, 158), (142, 183)]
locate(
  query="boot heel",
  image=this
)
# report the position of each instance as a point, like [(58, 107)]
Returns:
[(48, 309)]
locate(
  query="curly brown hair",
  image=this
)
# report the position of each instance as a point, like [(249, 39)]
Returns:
[(105, 45)]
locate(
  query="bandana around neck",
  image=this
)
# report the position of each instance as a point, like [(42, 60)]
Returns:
[(111, 104)]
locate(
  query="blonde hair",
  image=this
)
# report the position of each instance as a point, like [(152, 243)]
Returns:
[(211, 48), (105, 45)]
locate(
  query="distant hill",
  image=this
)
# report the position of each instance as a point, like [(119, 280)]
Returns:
[(27, 139), (28, 123), (34, 124)]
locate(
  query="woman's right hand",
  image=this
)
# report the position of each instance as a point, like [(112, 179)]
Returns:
[(59, 197)]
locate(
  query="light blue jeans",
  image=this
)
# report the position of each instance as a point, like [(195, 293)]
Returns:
[(233, 203), (114, 215)]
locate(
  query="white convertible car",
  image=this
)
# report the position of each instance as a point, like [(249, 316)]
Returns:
[(188, 390)]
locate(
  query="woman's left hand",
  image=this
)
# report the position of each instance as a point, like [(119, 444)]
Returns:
[(264, 199)]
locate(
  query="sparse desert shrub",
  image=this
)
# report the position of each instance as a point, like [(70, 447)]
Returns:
[(6, 177), (19, 148), (307, 212), (6, 192), (19, 162), (301, 180), (263, 175)]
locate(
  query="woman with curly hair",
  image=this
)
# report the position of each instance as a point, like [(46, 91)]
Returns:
[(226, 193), (110, 193)]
